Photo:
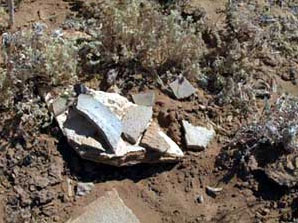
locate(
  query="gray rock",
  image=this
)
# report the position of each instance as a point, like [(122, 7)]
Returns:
[(79, 131), (84, 188), (106, 122), (109, 208), (197, 137), (135, 121), (155, 139), (59, 106), (182, 88), (146, 99), (115, 102)]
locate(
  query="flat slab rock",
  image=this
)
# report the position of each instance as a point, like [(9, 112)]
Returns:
[(135, 121), (115, 102), (107, 122), (197, 137), (182, 88), (146, 99), (109, 208), (155, 139)]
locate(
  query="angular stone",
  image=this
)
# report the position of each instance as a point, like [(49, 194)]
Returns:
[(78, 131), (109, 208), (145, 99), (155, 139), (59, 106), (182, 88), (197, 137), (115, 102), (84, 188), (135, 121), (105, 121)]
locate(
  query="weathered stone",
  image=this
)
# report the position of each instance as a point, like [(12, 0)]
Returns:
[(59, 106), (135, 121), (145, 99), (155, 139), (197, 137), (84, 188), (105, 121), (109, 208), (182, 88), (79, 132), (115, 102)]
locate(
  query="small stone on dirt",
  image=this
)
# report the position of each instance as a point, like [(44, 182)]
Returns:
[(146, 99), (106, 122), (213, 191), (84, 188), (182, 88), (197, 137), (135, 121)]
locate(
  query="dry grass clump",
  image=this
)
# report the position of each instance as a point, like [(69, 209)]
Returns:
[(264, 141), (133, 33), (34, 58)]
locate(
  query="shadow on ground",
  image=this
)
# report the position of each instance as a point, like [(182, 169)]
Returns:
[(87, 171)]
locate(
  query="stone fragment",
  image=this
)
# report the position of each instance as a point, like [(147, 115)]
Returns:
[(109, 208), (105, 121), (200, 199), (79, 132), (59, 106), (197, 137), (213, 191), (155, 139), (182, 88), (145, 99), (135, 121), (84, 188), (115, 102)]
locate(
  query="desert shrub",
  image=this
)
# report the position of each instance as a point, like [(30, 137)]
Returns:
[(3, 20), (136, 33), (33, 59), (35, 54), (266, 140)]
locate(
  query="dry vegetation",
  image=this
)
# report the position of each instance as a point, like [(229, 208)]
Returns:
[(236, 64)]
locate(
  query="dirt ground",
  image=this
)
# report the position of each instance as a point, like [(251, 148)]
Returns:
[(161, 192)]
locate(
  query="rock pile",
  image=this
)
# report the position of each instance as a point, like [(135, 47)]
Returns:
[(107, 128)]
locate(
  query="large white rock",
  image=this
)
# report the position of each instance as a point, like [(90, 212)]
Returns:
[(109, 208), (197, 137), (115, 102), (103, 119)]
